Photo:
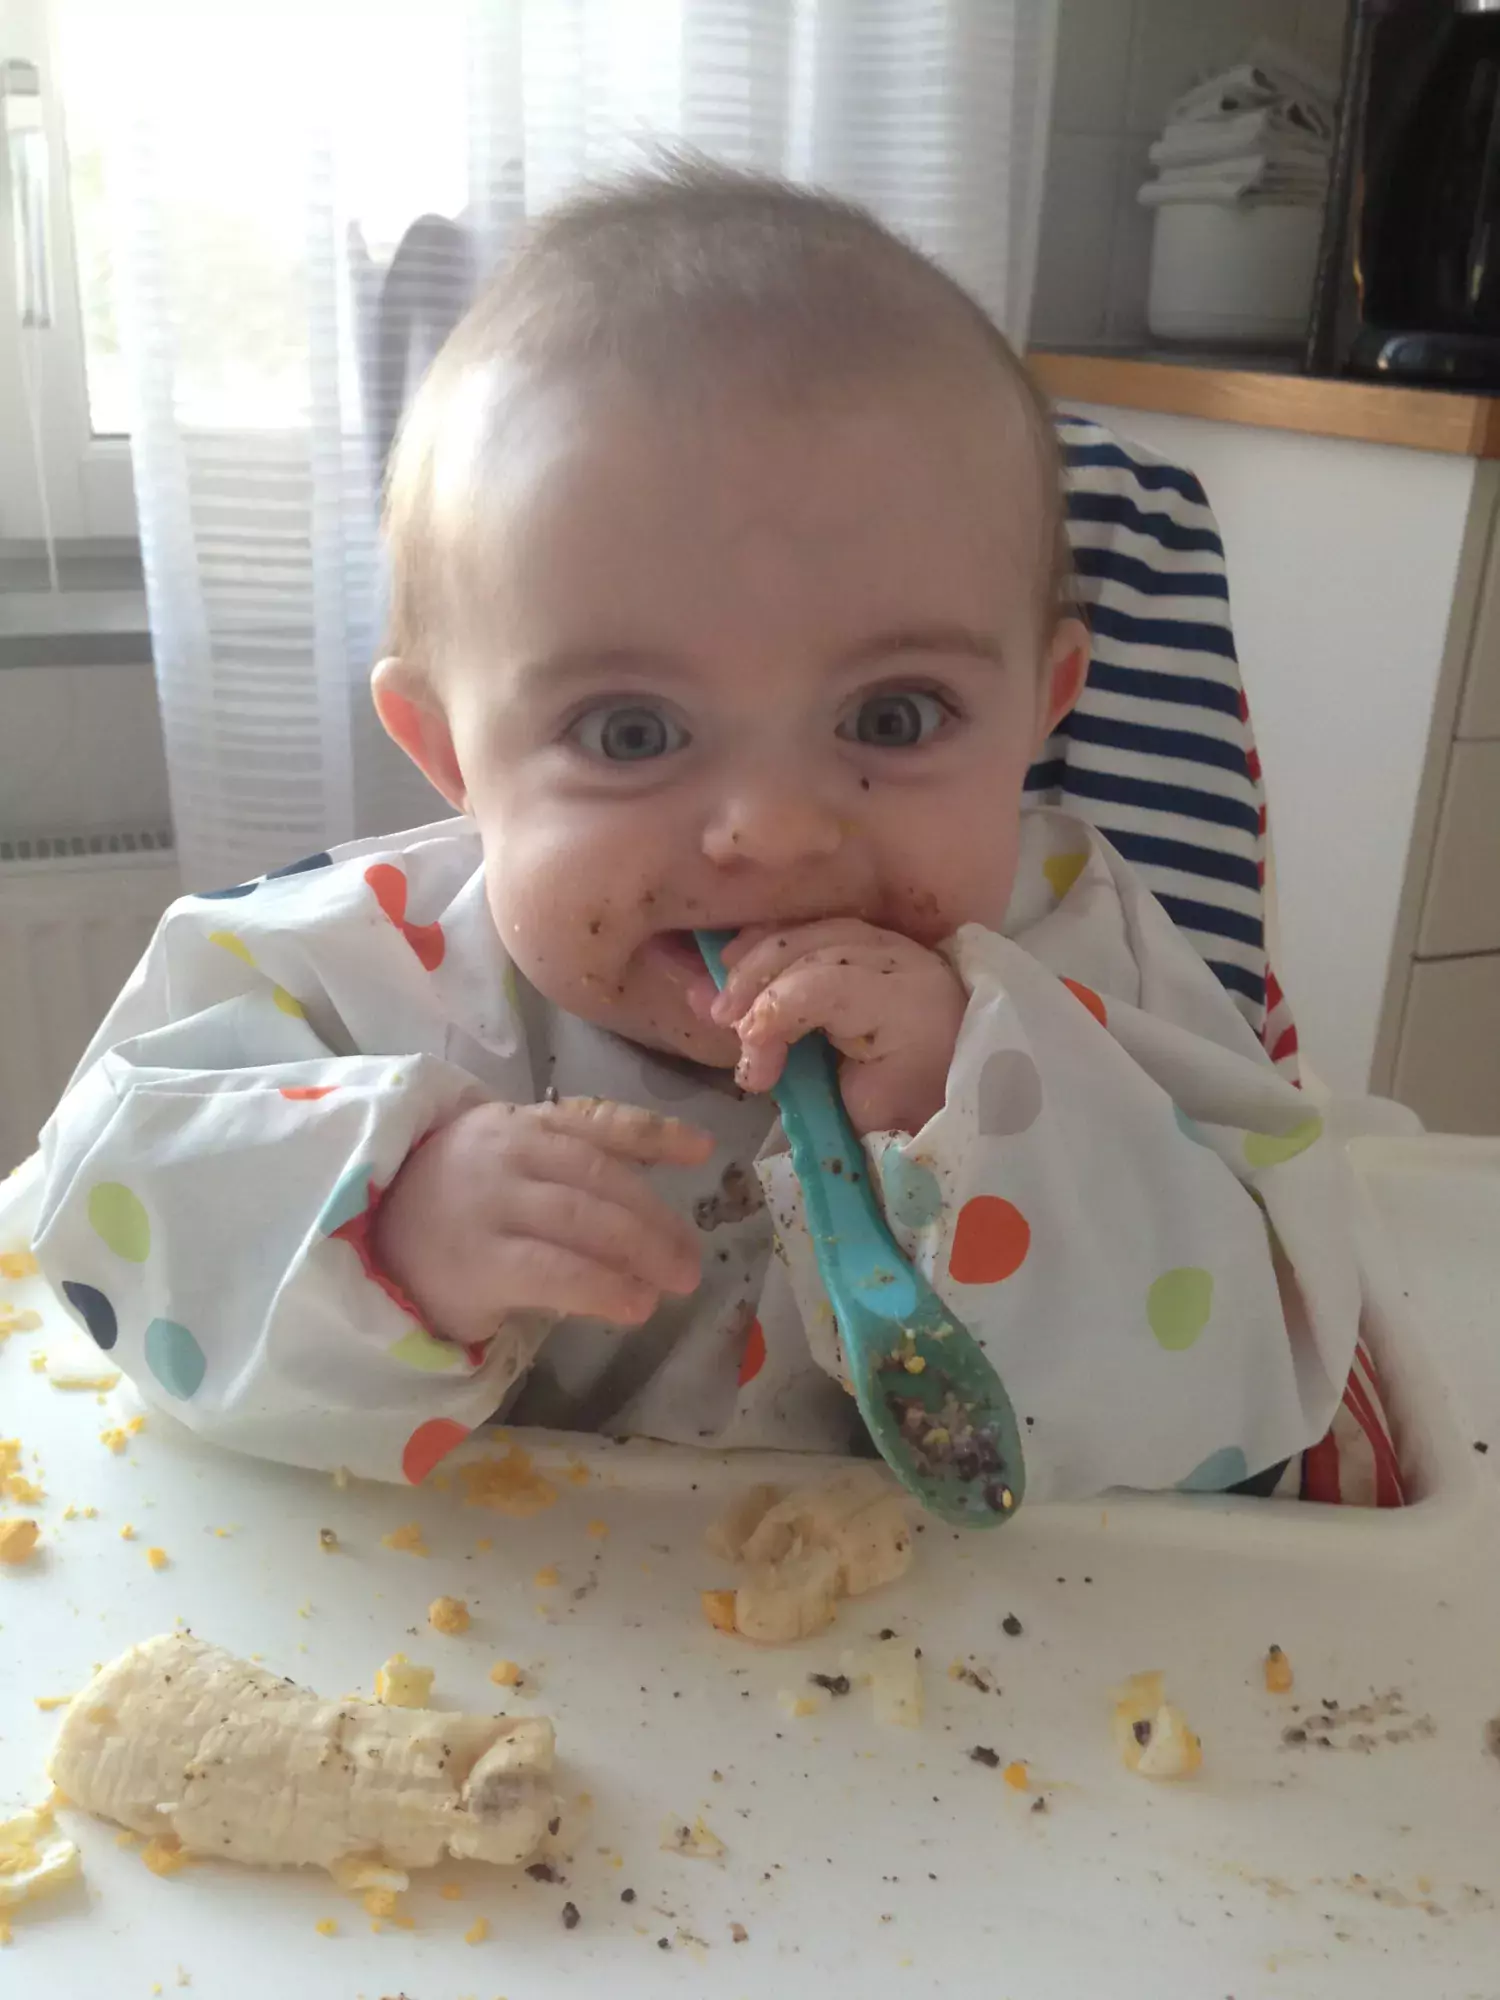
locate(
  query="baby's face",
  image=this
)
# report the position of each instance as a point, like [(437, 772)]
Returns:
[(742, 666)]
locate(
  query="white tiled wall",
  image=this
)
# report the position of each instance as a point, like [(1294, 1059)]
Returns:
[(1120, 64)]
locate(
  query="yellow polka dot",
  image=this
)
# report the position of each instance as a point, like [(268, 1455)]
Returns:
[(230, 943), (1063, 870), (1271, 1149), (419, 1350)]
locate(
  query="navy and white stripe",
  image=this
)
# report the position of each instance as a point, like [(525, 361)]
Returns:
[(1158, 754)]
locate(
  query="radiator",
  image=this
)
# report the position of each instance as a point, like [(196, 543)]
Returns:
[(76, 912)]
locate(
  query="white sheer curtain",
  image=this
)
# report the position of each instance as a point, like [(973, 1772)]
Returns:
[(264, 161)]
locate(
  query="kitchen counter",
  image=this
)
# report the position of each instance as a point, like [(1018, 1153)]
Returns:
[(1269, 396), (859, 1858)]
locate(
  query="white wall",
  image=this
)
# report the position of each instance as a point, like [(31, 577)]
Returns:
[(1342, 559), (1120, 64)]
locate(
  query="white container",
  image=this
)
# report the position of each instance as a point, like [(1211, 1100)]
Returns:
[(1236, 272)]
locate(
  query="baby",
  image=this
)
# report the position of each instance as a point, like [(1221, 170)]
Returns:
[(727, 592)]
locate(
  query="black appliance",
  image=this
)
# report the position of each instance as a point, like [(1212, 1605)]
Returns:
[(1408, 285)]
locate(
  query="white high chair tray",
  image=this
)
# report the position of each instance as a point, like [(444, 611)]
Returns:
[(859, 1858)]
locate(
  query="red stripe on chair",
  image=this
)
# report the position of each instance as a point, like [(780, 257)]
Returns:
[(1285, 1045), (1388, 1488), (1320, 1472)]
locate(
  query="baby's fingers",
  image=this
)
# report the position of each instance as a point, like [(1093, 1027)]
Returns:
[(650, 1248), (548, 1277), (628, 1131)]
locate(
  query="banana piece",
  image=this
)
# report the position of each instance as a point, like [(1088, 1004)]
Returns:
[(179, 1737), (804, 1550), (1151, 1734)]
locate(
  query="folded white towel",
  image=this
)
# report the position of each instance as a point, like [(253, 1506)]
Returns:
[(1270, 75), (1237, 181), (1274, 130)]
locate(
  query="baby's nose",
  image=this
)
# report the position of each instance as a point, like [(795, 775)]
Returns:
[(771, 826)]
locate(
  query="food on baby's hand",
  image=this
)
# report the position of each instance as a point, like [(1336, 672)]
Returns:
[(804, 1550), (1151, 1735), (179, 1738)]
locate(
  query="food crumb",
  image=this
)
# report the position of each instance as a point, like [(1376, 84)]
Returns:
[(697, 1841), (510, 1485), (326, 1927), (570, 1917), (18, 1264), (835, 1684), (546, 1577), (158, 1558), (452, 1892), (399, 1684), (483, 1546), (163, 1854), (18, 1540), (718, 1608), (1277, 1670), (448, 1614), (599, 1530), (114, 1439), (983, 1754), (1018, 1777), (796, 1705), (407, 1539), (505, 1674), (478, 1931), (739, 1934), (327, 1540), (127, 1533), (379, 1902), (47, 1702), (1011, 1625)]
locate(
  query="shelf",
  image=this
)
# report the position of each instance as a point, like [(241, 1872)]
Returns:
[(1465, 426)]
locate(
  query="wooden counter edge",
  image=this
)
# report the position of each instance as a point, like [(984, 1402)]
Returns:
[(1371, 412)]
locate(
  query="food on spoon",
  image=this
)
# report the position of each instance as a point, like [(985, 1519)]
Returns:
[(803, 1551), (178, 1737), (1151, 1735)]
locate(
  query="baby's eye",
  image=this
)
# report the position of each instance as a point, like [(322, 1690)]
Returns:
[(631, 733), (896, 721)]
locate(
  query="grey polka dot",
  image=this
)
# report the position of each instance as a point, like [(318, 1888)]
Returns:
[(1010, 1094)]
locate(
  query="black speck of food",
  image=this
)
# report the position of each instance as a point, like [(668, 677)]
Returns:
[(1142, 1732), (570, 1917), (1294, 1735), (663, 1944), (864, 784), (627, 1895), (554, 1824), (542, 1871), (1039, 1805), (885, 1632), (1480, 1446), (982, 1754), (830, 1683), (1011, 1625), (594, 927)]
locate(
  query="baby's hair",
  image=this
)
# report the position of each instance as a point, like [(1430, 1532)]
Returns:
[(685, 274)]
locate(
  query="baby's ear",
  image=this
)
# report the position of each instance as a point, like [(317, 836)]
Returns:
[(1063, 676), (412, 717)]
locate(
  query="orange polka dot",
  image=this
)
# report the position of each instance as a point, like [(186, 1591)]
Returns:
[(306, 1093), (390, 890), (1090, 1000), (990, 1242), (429, 1444), (754, 1357)]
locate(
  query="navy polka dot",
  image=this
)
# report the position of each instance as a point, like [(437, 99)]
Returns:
[(302, 867), (226, 895), (95, 1310)]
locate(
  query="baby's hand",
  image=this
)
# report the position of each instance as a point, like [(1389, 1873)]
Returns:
[(539, 1206), (891, 1008)]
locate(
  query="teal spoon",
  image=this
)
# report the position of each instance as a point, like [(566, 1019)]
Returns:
[(930, 1399)]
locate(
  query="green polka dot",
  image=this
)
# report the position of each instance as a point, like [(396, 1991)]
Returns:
[(1270, 1149), (175, 1358), (912, 1195), (419, 1350), (1178, 1306), (119, 1219)]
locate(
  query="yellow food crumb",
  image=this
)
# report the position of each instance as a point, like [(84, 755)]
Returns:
[(114, 1440), (1151, 1735), (598, 1529), (379, 1902), (483, 1546), (408, 1539), (328, 1541), (18, 1264), (127, 1837), (127, 1533), (398, 1684), (452, 1892), (577, 1473), (91, 1513), (135, 1426), (38, 1364), (326, 1927), (478, 1931), (914, 1364), (1278, 1672), (70, 1512), (19, 1487), (718, 1608), (796, 1705), (157, 1558), (12, 1321), (98, 1379), (163, 1854), (18, 1541), (10, 1456), (546, 1578), (35, 1858), (511, 1485), (1017, 1777), (47, 1702), (448, 1614), (505, 1674)]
